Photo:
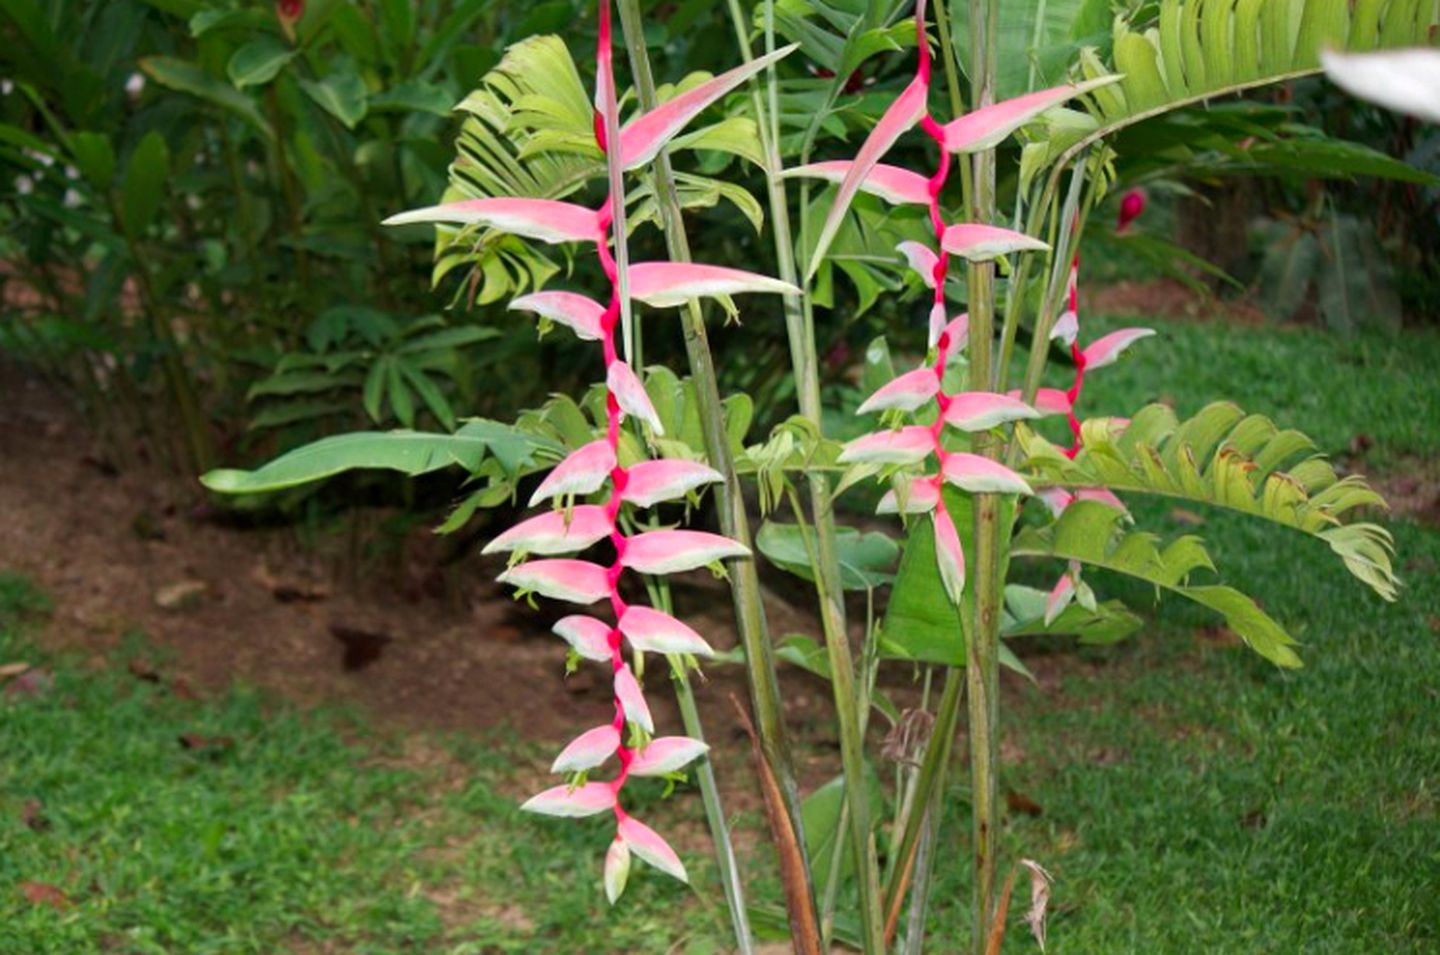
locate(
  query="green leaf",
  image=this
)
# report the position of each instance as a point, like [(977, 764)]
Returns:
[(866, 559), (1090, 532), (189, 78), (1225, 458), (147, 179), (95, 158), (259, 61), (1209, 48), (409, 452), (921, 622), (342, 94)]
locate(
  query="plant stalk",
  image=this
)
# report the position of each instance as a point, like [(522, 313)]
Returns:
[(826, 560), (982, 675)]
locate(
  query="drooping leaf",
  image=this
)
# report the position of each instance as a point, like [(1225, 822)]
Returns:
[(1089, 532), (409, 452), (1226, 458)]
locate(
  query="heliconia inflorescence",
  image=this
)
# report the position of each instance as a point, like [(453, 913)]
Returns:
[(976, 410), (570, 528)]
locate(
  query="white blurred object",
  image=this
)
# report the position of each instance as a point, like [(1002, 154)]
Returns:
[(1407, 81)]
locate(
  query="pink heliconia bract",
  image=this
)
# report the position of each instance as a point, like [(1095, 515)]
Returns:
[(588, 637), (1104, 351), (1067, 327), (667, 754), (1048, 401), (556, 532), (654, 631), (907, 392), (632, 699), (1055, 499), (979, 243), (987, 127), (577, 581), (617, 869), (579, 313), (547, 220), (891, 183), (1102, 495), (588, 750), (900, 116), (922, 261), (922, 495), (670, 284), (653, 482), (673, 552), (983, 410), (908, 445), (949, 556), (631, 395), (1060, 597), (643, 137), (650, 847), (582, 472), (575, 801), (980, 475)]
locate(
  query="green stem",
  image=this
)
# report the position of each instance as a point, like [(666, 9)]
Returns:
[(982, 660), (800, 329), (763, 680)]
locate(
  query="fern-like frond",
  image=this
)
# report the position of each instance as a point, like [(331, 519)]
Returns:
[(1091, 533), (1192, 50), (1226, 458)]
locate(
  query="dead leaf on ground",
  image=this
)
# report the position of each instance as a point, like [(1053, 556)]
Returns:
[(1021, 803), (1217, 636), (13, 669), (181, 595), (32, 814), (1039, 899), (182, 690), (1361, 443), (142, 670), (289, 589), (213, 745), (42, 893), (31, 683), (362, 647), (1182, 515)]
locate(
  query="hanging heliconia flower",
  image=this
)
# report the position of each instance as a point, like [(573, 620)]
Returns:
[(629, 738), (970, 411), (976, 410)]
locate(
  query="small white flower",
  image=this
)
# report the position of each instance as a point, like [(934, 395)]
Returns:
[(135, 84), (7, 87), (73, 198), (24, 185)]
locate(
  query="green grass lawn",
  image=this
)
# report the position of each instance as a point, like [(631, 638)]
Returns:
[(1196, 799)]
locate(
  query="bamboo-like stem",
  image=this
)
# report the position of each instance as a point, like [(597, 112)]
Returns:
[(982, 661), (826, 559), (762, 678)]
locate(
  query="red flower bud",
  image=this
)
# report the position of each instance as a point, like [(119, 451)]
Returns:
[(289, 10), (1130, 208)]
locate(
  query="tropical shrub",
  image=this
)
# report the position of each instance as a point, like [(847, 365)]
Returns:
[(959, 449)]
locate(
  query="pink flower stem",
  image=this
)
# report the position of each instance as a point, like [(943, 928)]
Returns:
[(619, 476), (1073, 395)]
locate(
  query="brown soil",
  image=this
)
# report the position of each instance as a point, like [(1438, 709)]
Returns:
[(420, 648)]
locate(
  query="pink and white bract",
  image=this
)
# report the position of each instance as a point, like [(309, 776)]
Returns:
[(587, 470)]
